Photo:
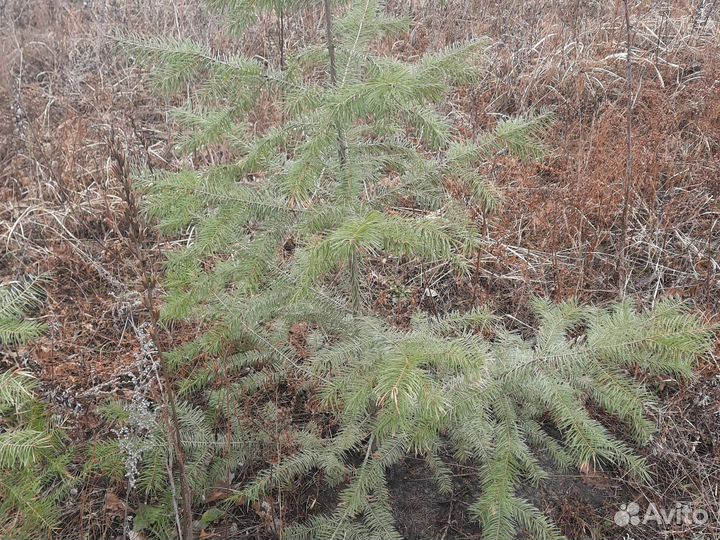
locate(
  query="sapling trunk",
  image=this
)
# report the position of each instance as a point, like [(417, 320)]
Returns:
[(332, 67)]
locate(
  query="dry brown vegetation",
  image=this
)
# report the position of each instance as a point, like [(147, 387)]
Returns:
[(64, 94)]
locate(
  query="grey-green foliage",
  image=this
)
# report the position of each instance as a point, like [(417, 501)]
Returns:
[(285, 234), (211, 459), (441, 388), (15, 301), (33, 461)]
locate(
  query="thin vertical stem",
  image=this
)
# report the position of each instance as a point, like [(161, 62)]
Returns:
[(330, 41), (282, 38), (627, 187), (342, 147)]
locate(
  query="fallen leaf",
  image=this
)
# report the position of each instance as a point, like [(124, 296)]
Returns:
[(115, 505)]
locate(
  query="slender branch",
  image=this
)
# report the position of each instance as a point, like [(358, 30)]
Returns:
[(330, 41), (355, 43), (342, 146), (627, 187), (282, 38)]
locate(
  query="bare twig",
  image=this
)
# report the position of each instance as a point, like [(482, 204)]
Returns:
[(627, 184)]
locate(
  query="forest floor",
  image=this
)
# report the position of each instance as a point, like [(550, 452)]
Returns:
[(64, 95)]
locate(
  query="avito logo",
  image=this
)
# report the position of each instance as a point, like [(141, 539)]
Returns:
[(629, 514)]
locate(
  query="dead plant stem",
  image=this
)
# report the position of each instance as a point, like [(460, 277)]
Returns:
[(137, 234), (627, 184)]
